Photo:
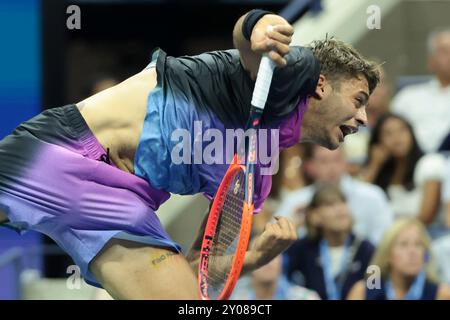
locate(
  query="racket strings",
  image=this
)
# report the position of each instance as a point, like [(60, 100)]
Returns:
[(226, 239)]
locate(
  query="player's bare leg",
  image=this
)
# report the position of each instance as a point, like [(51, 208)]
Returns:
[(130, 270)]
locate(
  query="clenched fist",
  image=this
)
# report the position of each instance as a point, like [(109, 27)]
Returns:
[(274, 40), (276, 238)]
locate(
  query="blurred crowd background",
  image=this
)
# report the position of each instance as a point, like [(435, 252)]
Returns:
[(377, 206)]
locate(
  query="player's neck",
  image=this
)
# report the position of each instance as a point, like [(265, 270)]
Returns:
[(307, 124), (335, 239)]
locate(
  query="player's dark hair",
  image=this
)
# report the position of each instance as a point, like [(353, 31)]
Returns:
[(339, 60), (386, 172)]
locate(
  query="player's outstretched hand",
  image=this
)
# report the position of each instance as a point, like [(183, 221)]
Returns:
[(276, 238), (275, 42)]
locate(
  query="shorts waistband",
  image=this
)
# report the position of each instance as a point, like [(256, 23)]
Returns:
[(79, 126)]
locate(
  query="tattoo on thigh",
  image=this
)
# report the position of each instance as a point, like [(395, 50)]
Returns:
[(162, 257)]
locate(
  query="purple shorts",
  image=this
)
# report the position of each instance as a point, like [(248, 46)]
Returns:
[(54, 179)]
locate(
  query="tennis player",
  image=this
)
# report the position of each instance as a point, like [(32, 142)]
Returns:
[(91, 175)]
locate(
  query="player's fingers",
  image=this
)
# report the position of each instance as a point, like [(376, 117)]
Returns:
[(279, 37), (293, 230), (287, 227), (270, 45), (277, 232), (285, 29), (281, 48), (282, 222), (269, 228), (278, 59)]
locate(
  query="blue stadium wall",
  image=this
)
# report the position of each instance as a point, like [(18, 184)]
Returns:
[(20, 99)]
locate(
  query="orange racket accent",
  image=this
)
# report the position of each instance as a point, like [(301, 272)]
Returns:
[(237, 262)]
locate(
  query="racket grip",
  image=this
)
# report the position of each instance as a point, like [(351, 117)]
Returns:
[(263, 80)]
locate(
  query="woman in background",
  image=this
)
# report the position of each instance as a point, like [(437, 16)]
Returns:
[(411, 179), (330, 259), (405, 270), (268, 283)]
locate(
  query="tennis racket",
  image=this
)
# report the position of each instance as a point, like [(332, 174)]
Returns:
[(228, 227)]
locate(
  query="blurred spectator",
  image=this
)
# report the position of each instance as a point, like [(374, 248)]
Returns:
[(445, 146), (330, 259), (405, 270), (441, 252), (411, 179), (268, 283), (380, 99), (98, 83), (103, 84), (356, 146), (290, 176), (446, 194), (441, 245), (368, 203), (427, 105)]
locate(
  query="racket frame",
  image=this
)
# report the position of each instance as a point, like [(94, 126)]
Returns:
[(259, 99)]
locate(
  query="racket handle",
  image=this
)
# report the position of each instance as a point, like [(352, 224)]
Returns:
[(263, 80)]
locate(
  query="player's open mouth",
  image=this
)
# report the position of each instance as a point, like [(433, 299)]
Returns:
[(346, 130)]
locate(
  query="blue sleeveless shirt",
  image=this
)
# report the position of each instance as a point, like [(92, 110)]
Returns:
[(197, 99)]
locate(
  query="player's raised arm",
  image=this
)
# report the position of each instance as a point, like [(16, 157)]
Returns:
[(252, 38), (275, 239)]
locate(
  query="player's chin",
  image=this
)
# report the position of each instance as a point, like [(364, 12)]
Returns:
[(331, 142), (335, 139)]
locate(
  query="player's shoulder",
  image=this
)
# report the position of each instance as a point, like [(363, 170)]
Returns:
[(302, 58), (228, 54), (209, 61), (300, 52)]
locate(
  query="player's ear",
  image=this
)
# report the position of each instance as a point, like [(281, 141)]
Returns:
[(320, 87)]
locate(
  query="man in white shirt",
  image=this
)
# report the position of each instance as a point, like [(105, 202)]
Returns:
[(427, 106), (368, 203), (269, 283), (441, 245), (446, 194)]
